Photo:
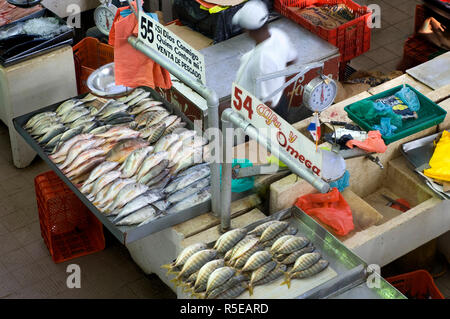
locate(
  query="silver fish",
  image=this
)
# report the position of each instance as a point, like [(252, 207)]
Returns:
[(35, 118), (288, 231), (186, 180), (83, 157), (233, 292), (86, 167), (187, 135), (81, 120), (104, 180), (249, 244), (45, 127), (112, 110), (195, 262), (261, 228), (257, 260), (138, 203), (194, 200), (102, 201), (143, 106), (126, 194), (67, 106), (149, 162), (100, 129), (273, 230), (241, 243), (75, 114), (65, 147), (204, 273), (161, 115), (189, 190), (161, 205), (158, 178), (195, 158), (53, 143), (88, 127), (138, 216), (153, 172), (70, 133), (79, 147), (134, 161), (89, 98), (260, 273), (152, 131), (309, 272), (163, 183), (138, 98), (100, 170), (131, 96), (292, 257), (230, 283), (56, 130), (240, 262), (219, 277), (173, 149), (176, 127), (164, 143), (305, 261), (279, 242), (185, 254), (271, 276), (292, 245), (229, 239), (192, 169)]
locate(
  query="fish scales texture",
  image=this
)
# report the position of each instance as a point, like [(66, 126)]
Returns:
[(138, 203), (186, 180), (158, 178), (149, 162), (196, 261), (292, 257), (192, 169), (79, 147), (231, 293), (240, 262), (292, 245), (104, 180), (189, 190), (229, 239), (305, 261), (262, 271), (257, 260), (86, 167), (82, 157), (164, 143), (230, 283), (137, 217), (252, 242), (219, 277), (318, 267), (279, 242), (205, 272), (194, 200), (156, 133), (188, 252), (126, 194), (115, 188), (273, 230), (162, 183), (103, 168), (271, 276), (288, 231), (134, 161), (154, 171), (124, 148), (261, 228)]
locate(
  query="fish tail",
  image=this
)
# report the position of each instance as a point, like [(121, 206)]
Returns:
[(199, 295), (287, 282), (176, 281), (167, 266)]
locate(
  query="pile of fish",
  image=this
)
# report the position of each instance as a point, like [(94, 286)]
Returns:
[(131, 158), (241, 260)]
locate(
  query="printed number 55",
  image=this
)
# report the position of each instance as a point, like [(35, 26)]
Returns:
[(146, 29)]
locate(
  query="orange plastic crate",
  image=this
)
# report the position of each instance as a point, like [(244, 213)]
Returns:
[(68, 228), (352, 38), (90, 54), (417, 285)]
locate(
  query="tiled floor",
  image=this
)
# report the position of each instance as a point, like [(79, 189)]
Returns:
[(386, 47), (26, 268)]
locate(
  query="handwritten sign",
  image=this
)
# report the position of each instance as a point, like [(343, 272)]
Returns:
[(168, 44), (271, 125)]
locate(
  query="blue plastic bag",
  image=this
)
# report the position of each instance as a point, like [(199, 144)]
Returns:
[(342, 183), (409, 97), (386, 128), (242, 184)]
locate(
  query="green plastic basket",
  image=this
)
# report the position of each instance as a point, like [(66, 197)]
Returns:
[(430, 114)]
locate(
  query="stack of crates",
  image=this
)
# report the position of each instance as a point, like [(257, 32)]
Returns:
[(68, 228)]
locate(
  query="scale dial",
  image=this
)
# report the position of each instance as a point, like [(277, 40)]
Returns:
[(320, 93), (104, 17)]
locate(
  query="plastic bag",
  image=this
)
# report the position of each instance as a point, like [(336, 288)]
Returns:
[(396, 105), (385, 127), (366, 111), (373, 144), (342, 183), (331, 209), (409, 97), (440, 161), (242, 184)]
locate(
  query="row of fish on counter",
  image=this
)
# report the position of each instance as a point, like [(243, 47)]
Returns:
[(131, 157), (241, 260)]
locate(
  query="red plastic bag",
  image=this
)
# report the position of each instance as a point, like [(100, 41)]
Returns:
[(331, 209)]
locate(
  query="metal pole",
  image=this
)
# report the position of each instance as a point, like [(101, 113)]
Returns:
[(238, 121), (225, 190), (213, 110)]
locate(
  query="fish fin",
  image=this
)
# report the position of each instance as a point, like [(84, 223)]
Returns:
[(199, 295), (287, 282), (250, 289), (176, 281)]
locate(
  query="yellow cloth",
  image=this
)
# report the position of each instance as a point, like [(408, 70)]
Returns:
[(214, 9), (440, 161)]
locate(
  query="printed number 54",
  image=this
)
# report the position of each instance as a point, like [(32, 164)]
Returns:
[(238, 102), (147, 29)]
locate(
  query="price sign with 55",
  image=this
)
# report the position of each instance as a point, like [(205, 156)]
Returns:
[(267, 121), (168, 44)]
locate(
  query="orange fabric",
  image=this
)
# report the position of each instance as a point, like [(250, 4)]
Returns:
[(206, 4), (133, 68), (374, 143), (331, 209)]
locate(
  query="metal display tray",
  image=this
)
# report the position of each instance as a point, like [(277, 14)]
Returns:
[(125, 234), (39, 49), (352, 272)]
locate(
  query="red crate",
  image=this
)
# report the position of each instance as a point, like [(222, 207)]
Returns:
[(68, 228), (417, 284), (90, 54), (352, 38)]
